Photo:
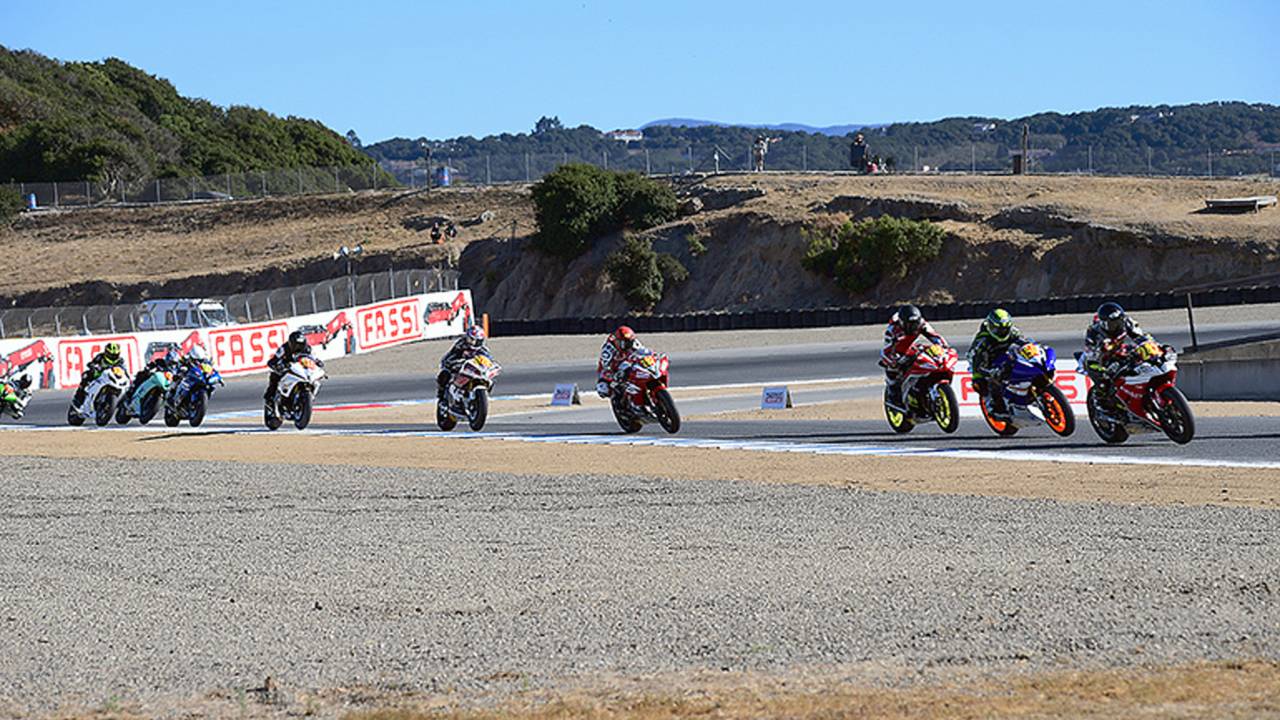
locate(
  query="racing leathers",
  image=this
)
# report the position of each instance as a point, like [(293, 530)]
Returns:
[(983, 352), (611, 356), (279, 364), (462, 351), (899, 352), (160, 364), (1104, 355), (98, 365)]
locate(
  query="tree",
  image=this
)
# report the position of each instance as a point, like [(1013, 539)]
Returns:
[(547, 124), (353, 139)]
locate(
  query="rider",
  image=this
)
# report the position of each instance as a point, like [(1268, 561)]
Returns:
[(9, 390), (1104, 345), (109, 357), (292, 349), (906, 325), (617, 347), (993, 340), (170, 362), (464, 348)]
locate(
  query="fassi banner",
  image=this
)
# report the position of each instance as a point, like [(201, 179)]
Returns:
[(235, 349), (1073, 384)]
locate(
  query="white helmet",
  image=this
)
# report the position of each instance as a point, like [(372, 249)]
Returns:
[(199, 354)]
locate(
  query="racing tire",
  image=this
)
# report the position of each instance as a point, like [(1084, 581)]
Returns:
[(668, 415), (1058, 414), (1176, 419), (270, 418), (122, 413), (628, 423), (150, 404), (301, 408), (444, 419), (947, 412), (104, 407), (897, 420), (171, 418), (479, 409), (1107, 431), (1003, 428), (199, 404), (74, 418)]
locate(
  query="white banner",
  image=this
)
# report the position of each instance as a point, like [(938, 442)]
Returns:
[(237, 349), (1073, 384)]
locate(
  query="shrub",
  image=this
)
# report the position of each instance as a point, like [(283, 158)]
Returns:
[(577, 203), (641, 274), (697, 247), (859, 255), (10, 204)]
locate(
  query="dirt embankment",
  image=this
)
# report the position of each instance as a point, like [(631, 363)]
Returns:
[(1008, 237)]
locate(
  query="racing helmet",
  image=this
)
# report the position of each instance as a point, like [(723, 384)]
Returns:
[(23, 381), (475, 336), (172, 358), (112, 351), (1112, 318), (199, 354), (910, 319), (999, 324), (297, 342), (626, 338)]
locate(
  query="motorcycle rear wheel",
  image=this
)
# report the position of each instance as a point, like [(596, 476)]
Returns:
[(1003, 428), (1176, 419), (1057, 411), (947, 412), (1109, 432), (897, 420), (668, 415), (479, 409)]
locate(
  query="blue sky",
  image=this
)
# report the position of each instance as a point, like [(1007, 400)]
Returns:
[(442, 69)]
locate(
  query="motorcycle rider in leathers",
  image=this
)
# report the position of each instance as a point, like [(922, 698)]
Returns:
[(620, 344), (109, 357), (292, 349), (899, 352), (466, 347), (1105, 347), (996, 335)]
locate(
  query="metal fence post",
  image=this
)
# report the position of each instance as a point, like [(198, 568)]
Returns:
[(313, 300), (271, 315), (30, 332), (55, 192), (88, 200), (333, 301), (228, 178), (111, 321), (84, 320), (248, 314), (157, 189), (57, 323), (293, 304)]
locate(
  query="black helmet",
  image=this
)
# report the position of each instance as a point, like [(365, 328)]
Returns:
[(1113, 319), (298, 342), (910, 318)]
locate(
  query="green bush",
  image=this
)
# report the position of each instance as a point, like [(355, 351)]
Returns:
[(10, 204), (577, 203), (697, 247), (641, 274), (859, 255)]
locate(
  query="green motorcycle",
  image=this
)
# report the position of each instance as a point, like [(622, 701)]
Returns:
[(145, 400)]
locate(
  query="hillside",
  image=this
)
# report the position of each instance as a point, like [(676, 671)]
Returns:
[(111, 122), (1238, 138)]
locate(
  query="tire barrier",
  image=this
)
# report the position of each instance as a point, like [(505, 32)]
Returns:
[(874, 315)]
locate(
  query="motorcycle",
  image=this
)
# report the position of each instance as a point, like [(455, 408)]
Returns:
[(1146, 399), (467, 396), (21, 394), (926, 389), (1029, 393), (188, 398), (100, 397), (298, 386), (641, 395), (145, 400)]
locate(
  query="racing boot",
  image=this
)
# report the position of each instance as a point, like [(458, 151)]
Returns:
[(996, 402)]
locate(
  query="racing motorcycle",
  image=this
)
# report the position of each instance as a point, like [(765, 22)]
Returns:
[(100, 397), (188, 398), (640, 394), (14, 396), (145, 400), (298, 386), (926, 390), (1029, 393), (467, 396), (1146, 398)]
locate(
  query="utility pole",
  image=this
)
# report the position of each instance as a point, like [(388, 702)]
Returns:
[(915, 155), (646, 162), (488, 172), (1209, 154), (973, 159), (804, 158), (690, 158), (526, 167), (1090, 159), (1148, 159)]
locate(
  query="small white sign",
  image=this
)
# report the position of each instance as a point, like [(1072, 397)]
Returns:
[(775, 398), (566, 394)]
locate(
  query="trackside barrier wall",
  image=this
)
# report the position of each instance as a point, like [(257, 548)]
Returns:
[(827, 317), (1073, 384), (57, 362)]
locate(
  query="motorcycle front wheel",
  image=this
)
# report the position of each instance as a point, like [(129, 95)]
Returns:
[(1109, 432), (479, 409), (1175, 417), (104, 406), (122, 412), (668, 415), (301, 408), (199, 404), (150, 404), (946, 408), (1057, 411)]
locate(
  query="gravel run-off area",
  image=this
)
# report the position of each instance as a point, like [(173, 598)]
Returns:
[(156, 585)]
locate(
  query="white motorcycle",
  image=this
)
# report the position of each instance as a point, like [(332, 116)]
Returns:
[(298, 387), (100, 397), (467, 397)]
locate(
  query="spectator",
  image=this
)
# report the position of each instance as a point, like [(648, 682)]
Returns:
[(758, 150), (858, 154)]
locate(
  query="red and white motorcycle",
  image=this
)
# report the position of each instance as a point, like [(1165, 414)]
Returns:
[(926, 391), (1146, 398), (640, 395), (467, 397)]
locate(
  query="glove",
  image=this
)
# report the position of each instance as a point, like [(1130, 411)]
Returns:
[(602, 389)]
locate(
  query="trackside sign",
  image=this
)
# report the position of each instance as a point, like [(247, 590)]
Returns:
[(1073, 384), (389, 323), (244, 348)]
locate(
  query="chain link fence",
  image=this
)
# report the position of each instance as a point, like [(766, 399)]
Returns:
[(260, 306)]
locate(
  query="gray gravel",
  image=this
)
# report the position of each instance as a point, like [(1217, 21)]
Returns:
[(163, 581)]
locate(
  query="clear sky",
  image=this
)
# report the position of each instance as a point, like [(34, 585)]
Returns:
[(473, 67)]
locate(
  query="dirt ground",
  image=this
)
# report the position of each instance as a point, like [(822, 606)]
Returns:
[(1058, 481)]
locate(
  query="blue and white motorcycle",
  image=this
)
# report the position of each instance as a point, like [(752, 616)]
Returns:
[(188, 398), (1029, 393)]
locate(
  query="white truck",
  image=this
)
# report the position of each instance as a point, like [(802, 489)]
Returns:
[(181, 314)]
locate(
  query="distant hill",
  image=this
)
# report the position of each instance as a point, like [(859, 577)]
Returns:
[(109, 121), (791, 127), (1236, 137)]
